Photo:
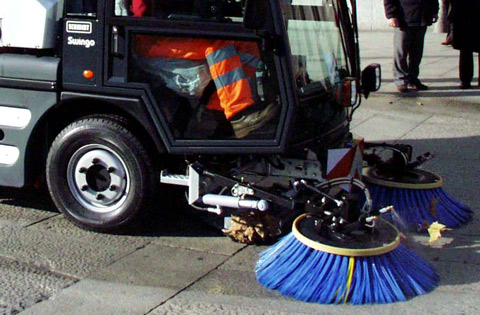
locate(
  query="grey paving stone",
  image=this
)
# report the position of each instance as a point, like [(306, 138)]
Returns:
[(437, 302), (454, 148), (458, 277), (61, 226), (417, 117), (211, 244), (442, 131), (236, 277), (187, 307), (99, 297), (180, 233), (161, 266), (22, 285), (245, 260), (233, 282), (451, 248), (362, 116), (459, 177), (69, 256), (22, 216), (384, 128)]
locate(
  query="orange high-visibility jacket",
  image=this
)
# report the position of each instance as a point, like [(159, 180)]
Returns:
[(232, 64)]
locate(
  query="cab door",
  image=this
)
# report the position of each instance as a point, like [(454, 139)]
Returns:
[(211, 85)]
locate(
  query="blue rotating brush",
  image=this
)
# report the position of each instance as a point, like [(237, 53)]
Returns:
[(369, 266), (416, 194), (418, 198)]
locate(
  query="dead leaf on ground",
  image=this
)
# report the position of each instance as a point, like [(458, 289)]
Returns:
[(435, 231)]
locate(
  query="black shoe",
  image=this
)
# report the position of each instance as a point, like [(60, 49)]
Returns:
[(465, 85), (419, 86), (402, 88)]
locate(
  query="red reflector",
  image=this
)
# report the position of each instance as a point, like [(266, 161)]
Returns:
[(88, 74)]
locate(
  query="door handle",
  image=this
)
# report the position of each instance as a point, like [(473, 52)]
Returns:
[(115, 41)]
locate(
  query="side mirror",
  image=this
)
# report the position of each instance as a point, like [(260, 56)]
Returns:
[(371, 79), (255, 14)]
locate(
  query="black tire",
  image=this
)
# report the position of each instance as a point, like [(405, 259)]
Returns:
[(99, 174)]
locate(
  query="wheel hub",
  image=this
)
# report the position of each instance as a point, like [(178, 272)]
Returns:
[(98, 178)]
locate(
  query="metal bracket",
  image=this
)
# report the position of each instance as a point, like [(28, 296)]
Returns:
[(239, 191), (191, 180)]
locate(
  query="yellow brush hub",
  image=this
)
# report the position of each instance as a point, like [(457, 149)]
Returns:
[(385, 240), (413, 179)]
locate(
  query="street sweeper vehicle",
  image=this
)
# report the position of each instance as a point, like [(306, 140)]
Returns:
[(246, 104)]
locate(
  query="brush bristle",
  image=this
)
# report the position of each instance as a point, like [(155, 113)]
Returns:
[(417, 206), (309, 275)]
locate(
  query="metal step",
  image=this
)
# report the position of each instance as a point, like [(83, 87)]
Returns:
[(174, 179), (191, 181)]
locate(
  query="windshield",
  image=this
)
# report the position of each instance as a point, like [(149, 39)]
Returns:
[(318, 58)]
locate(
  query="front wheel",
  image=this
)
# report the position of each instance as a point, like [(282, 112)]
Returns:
[(99, 174)]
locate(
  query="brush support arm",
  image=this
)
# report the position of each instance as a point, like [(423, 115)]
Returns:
[(400, 161)]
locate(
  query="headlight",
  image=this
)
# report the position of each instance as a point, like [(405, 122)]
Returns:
[(346, 93)]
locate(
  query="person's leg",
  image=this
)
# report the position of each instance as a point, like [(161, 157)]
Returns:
[(250, 58), (415, 54), (445, 8), (233, 66), (226, 68), (400, 53), (465, 66)]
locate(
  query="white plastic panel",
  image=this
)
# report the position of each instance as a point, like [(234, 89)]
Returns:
[(14, 117), (29, 23), (8, 154)]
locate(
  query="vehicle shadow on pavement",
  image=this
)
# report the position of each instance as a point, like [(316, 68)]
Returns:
[(176, 217), (437, 88), (169, 214), (29, 197), (435, 80)]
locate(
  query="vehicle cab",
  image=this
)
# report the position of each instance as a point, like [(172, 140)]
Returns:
[(295, 58)]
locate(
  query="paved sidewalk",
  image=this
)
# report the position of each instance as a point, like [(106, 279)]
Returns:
[(211, 275)]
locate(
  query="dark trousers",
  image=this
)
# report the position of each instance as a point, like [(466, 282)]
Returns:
[(408, 52), (465, 66)]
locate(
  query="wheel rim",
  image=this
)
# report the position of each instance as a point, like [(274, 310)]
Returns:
[(98, 178)]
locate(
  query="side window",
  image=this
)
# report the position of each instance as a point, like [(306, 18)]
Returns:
[(316, 45), (81, 8), (204, 88), (209, 88), (192, 10)]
